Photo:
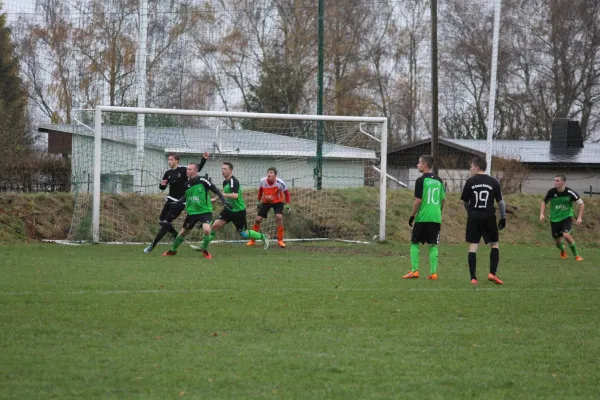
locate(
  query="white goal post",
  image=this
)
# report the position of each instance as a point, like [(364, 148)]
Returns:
[(380, 169)]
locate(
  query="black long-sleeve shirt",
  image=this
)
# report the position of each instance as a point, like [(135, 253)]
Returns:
[(176, 179)]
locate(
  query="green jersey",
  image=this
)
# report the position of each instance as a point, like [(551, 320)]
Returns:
[(232, 185), (197, 198), (430, 189), (561, 203)]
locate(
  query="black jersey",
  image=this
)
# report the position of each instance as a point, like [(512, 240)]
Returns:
[(176, 179), (480, 191)]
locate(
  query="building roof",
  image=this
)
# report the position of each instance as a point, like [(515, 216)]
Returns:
[(225, 141), (526, 151)]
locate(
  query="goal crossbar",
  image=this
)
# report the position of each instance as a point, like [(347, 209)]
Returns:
[(226, 114)]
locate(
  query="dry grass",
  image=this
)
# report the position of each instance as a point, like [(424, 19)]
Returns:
[(347, 213)]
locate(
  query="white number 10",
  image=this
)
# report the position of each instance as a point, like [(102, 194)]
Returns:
[(431, 195), (481, 199)]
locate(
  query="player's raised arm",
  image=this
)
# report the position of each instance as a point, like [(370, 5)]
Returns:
[(203, 160)]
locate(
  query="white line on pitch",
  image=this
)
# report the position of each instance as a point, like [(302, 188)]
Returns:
[(265, 290)]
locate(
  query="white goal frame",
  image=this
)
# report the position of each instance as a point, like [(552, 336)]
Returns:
[(226, 114)]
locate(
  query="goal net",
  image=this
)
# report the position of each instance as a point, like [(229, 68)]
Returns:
[(332, 166)]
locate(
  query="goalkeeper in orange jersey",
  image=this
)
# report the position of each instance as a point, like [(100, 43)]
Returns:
[(272, 193)]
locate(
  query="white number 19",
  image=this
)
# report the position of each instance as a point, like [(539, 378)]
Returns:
[(481, 199)]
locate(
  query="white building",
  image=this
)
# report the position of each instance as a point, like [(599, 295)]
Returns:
[(251, 152), (542, 159)]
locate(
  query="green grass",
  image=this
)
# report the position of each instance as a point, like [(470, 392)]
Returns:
[(317, 321)]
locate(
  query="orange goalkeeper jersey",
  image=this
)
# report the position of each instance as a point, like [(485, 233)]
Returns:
[(272, 193)]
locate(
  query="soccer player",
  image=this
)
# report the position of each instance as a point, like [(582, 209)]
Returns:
[(561, 200), (237, 214), (427, 217), (175, 178), (198, 207), (478, 197), (272, 192)]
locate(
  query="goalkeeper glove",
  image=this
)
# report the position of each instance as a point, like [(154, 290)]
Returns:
[(411, 220), (502, 224), (288, 208)]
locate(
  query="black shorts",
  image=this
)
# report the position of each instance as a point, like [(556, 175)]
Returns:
[(238, 218), (265, 207), (426, 232), (481, 225), (560, 227), (171, 211), (191, 220)]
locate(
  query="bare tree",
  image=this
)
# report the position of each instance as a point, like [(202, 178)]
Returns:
[(44, 48)]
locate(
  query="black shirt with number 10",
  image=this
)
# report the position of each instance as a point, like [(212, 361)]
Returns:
[(480, 191)]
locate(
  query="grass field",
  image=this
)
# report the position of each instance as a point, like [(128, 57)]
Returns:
[(316, 321)]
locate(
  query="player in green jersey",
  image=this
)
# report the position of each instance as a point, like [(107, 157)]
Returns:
[(561, 200), (232, 191), (198, 207), (426, 216)]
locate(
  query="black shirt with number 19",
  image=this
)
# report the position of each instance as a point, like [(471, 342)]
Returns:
[(480, 191)]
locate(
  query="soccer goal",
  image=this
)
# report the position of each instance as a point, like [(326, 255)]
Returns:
[(334, 167)]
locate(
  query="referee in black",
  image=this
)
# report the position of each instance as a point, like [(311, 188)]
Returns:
[(175, 178), (478, 196)]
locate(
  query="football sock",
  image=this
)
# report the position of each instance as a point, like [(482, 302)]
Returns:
[(254, 235), (173, 230), (280, 233), (161, 233), (472, 264), (573, 248), (178, 240), (433, 258), (256, 228), (561, 246), (494, 260), (414, 256), (206, 239), (211, 237)]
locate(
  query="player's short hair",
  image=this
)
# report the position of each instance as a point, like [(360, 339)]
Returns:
[(195, 166), (175, 156), (230, 165), (562, 177), (480, 163), (273, 169), (427, 159)]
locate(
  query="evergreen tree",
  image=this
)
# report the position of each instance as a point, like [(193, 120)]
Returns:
[(14, 138)]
